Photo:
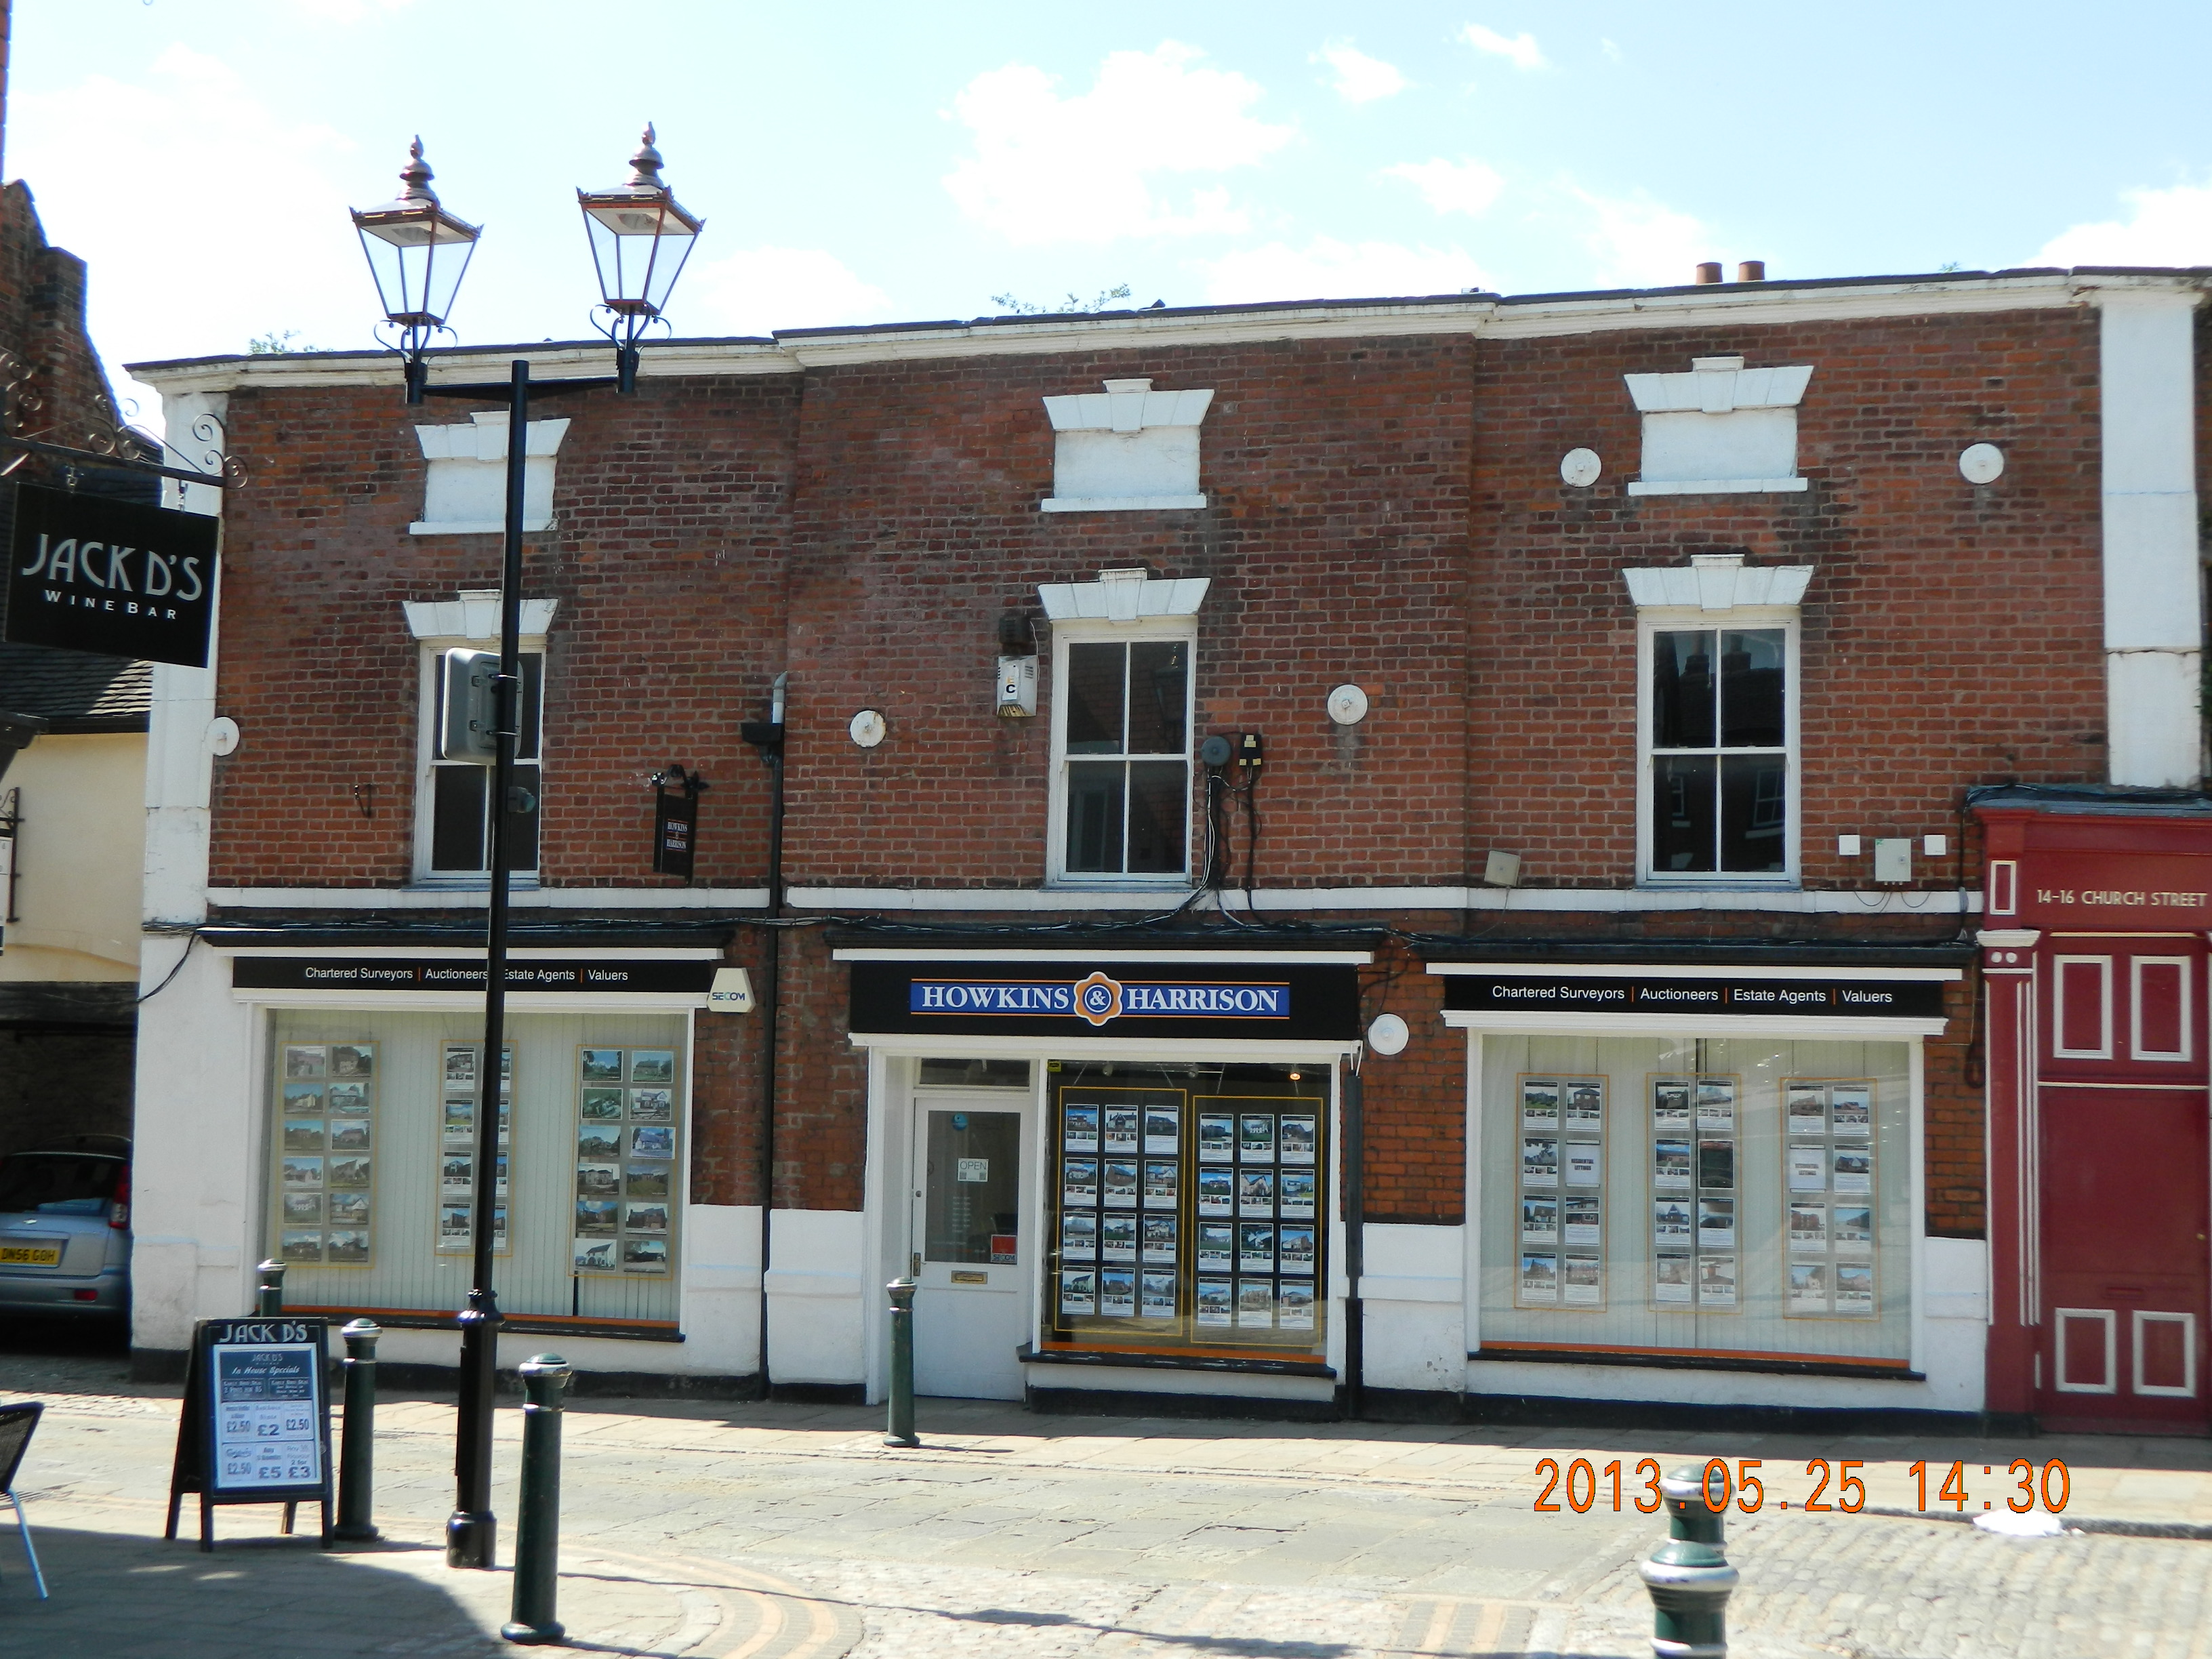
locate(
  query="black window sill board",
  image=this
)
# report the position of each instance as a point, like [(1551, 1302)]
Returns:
[(1677, 1361), (1175, 1362)]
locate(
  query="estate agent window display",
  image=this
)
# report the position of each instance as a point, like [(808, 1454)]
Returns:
[(1189, 1208), (1743, 1195), (372, 1174)]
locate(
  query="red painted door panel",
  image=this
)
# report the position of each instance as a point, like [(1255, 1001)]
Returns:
[(2124, 1276)]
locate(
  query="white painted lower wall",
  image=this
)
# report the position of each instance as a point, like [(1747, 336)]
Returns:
[(1415, 1299), (1145, 1379), (816, 1300)]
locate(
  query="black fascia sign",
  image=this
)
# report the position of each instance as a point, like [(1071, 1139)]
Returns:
[(113, 578)]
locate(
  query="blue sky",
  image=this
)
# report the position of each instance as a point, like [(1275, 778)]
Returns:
[(874, 162)]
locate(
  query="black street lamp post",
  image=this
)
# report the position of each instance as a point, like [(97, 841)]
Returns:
[(417, 252)]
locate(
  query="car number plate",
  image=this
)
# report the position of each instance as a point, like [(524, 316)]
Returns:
[(30, 1255)]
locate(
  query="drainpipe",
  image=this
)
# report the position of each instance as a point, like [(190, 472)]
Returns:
[(1355, 1240), (767, 737)]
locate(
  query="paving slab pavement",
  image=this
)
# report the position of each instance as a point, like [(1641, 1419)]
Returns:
[(785, 1532)]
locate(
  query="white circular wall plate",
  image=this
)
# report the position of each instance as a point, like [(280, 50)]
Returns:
[(1387, 1034), (221, 735), (1348, 704), (1580, 467), (1981, 464), (868, 728)]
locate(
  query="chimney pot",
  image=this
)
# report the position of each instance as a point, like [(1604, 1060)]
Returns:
[(1709, 271), (1751, 270)]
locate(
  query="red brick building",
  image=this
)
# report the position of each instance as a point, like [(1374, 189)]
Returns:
[(1557, 988)]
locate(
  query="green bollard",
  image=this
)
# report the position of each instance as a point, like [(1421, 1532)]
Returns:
[(357, 1450), (902, 1424), (1688, 1576), (537, 1527), (268, 1294)]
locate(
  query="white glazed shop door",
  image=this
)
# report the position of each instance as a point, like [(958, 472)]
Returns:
[(970, 1232)]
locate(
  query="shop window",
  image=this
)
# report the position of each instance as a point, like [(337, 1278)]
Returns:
[(1719, 757), (453, 831), (934, 1073), (1121, 731), (1189, 1208), (373, 1179), (1683, 1196)]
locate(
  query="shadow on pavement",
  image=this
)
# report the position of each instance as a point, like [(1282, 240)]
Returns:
[(123, 1593)]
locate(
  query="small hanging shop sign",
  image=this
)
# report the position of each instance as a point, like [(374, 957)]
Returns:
[(113, 578)]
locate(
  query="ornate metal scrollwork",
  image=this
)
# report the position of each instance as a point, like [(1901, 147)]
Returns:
[(212, 445), (22, 403)]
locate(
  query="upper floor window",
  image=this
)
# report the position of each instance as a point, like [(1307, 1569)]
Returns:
[(453, 821), (1719, 761), (1123, 716)]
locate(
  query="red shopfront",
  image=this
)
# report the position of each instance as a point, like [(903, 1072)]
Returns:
[(2096, 908)]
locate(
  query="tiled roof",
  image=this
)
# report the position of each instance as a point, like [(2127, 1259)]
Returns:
[(75, 690)]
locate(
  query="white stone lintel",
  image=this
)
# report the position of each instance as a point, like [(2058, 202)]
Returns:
[(1123, 596), (474, 617), (1120, 504), (1718, 582), (1717, 486), (1716, 385)]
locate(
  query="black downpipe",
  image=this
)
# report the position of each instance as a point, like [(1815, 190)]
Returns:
[(767, 737), (1355, 1241)]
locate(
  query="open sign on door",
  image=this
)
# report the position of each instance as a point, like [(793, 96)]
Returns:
[(974, 1168)]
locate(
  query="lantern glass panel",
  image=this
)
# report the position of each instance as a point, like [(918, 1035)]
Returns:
[(640, 246), (417, 263)]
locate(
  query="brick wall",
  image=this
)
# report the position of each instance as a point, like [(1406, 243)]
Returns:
[(1952, 635), (1388, 513), (666, 557)]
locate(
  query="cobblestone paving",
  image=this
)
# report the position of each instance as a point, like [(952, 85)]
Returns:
[(790, 1533)]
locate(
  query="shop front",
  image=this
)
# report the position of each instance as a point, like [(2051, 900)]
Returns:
[(1111, 1172), (362, 1071), (2096, 907), (1695, 1175)]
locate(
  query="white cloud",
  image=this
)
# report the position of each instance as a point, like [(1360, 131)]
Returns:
[(1521, 51), (1639, 243), (348, 11), (765, 288), (2170, 226), (171, 276), (1328, 269), (1052, 169), (1610, 50), (1360, 79), (1463, 186)]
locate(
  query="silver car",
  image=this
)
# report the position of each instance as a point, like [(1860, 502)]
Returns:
[(65, 1232)]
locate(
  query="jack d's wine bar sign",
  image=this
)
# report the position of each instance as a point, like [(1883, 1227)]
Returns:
[(111, 577)]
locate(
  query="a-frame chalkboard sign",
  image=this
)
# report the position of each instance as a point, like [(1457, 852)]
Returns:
[(257, 1421)]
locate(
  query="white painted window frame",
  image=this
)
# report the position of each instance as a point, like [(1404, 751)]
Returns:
[(2139, 1318), (2058, 967), (2136, 1049), (2110, 1321), (1088, 631), (428, 652), (1652, 621)]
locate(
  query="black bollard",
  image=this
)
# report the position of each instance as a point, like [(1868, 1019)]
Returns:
[(357, 1450), (1688, 1576), (537, 1525), (268, 1294), (900, 1431)]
